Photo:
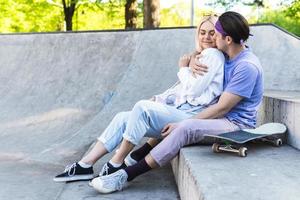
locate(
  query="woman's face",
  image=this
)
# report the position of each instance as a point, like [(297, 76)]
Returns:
[(206, 33)]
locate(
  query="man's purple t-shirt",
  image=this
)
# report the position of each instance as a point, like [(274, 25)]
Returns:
[(243, 77)]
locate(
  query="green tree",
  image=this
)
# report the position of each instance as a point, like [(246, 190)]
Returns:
[(287, 17), (151, 13), (29, 16), (227, 4), (293, 10), (69, 7), (131, 14)]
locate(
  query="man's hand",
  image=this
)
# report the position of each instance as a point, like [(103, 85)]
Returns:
[(168, 129), (197, 67), (184, 61)]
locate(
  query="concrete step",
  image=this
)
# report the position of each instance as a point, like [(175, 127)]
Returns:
[(268, 173), (283, 107)]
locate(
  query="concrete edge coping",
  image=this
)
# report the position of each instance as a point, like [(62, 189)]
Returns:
[(292, 96), (143, 29)]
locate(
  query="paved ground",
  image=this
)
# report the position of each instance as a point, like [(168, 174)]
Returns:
[(31, 180)]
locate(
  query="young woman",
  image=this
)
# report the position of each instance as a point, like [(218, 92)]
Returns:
[(148, 118), (236, 108)]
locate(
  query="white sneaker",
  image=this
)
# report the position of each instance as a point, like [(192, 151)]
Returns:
[(129, 161), (110, 183)]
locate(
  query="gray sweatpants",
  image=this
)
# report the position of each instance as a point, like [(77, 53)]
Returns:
[(189, 131)]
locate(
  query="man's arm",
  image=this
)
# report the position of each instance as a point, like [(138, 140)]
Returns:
[(226, 102)]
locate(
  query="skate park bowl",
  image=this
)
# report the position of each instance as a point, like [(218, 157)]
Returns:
[(60, 90)]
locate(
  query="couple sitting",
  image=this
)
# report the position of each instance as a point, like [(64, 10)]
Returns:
[(225, 98)]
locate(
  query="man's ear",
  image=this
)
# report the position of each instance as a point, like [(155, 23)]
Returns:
[(229, 40)]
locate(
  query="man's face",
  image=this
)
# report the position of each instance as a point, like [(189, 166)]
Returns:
[(220, 41)]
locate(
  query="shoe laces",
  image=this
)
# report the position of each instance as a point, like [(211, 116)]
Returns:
[(115, 180), (71, 169), (104, 170), (121, 181)]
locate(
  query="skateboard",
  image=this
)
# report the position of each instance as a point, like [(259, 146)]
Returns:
[(234, 141)]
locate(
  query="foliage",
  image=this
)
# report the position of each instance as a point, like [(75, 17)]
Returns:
[(108, 15), (227, 4), (179, 15), (29, 16), (41, 16), (294, 10), (280, 18)]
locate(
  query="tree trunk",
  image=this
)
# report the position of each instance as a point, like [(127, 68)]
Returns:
[(131, 14), (69, 13), (151, 13)]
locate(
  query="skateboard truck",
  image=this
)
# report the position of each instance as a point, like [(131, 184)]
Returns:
[(276, 142), (241, 151), (233, 142)]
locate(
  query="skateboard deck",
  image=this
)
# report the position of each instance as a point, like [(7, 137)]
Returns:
[(270, 132)]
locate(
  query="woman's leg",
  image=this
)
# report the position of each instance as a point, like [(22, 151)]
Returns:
[(140, 153), (147, 118), (111, 137), (113, 134), (153, 142), (95, 154)]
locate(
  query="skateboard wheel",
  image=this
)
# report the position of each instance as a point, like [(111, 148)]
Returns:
[(215, 148), (278, 142), (243, 151)]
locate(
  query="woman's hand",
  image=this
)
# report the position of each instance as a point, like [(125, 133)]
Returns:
[(152, 98), (197, 67), (168, 129), (184, 61)]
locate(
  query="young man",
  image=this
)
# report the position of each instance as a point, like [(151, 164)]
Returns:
[(237, 106)]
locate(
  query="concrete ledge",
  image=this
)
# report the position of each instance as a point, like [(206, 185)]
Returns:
[(283, 107), (268, 173)]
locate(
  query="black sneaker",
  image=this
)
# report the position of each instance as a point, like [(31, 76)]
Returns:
[(75, 172), (109, 169)]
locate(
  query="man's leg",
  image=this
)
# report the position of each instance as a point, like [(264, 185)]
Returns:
[(188, 132)]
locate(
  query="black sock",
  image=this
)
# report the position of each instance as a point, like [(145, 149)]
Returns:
[(135, 170), (141, 152)]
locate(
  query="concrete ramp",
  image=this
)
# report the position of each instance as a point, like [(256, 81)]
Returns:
[(279, 53), (53, 86), (59, 91)]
